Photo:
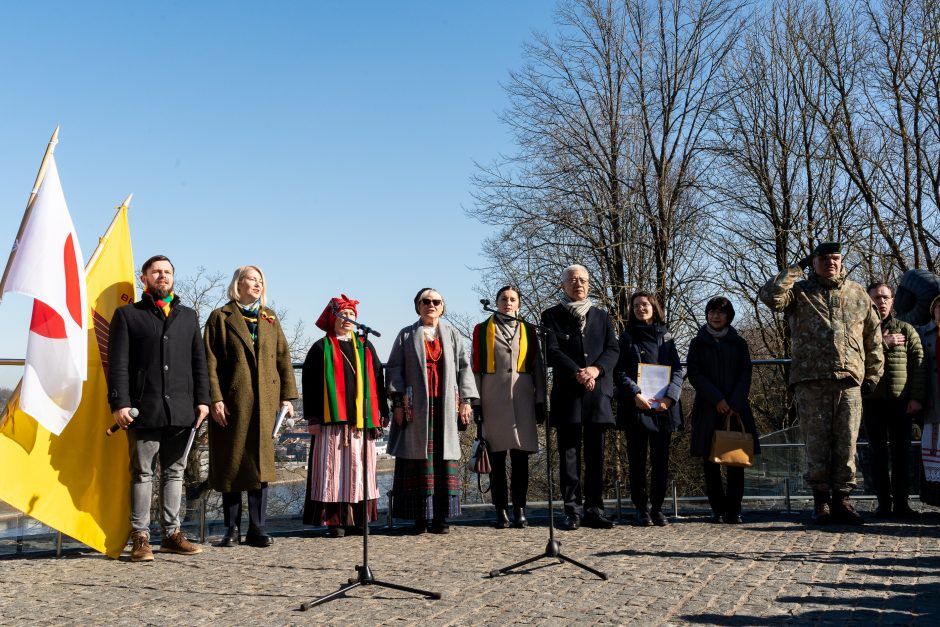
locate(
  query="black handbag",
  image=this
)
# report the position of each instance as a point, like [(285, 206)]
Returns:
[(479, 460)]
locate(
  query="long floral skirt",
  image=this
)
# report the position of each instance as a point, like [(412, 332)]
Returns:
[(427, 488), (334, 478)]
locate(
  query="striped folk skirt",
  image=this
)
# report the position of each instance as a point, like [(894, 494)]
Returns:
[(334, 478), (427, 488)]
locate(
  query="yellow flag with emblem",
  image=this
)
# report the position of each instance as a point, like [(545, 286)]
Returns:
[(79, 481)]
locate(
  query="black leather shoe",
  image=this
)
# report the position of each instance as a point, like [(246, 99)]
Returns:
[(258, 538), (573, 522), (643, 519), (883, 512), (518, 517), (733, 519), (439, 526), (232, 537), (336, 532), (598, 521), (658, 518), (716, 518), (502, 518)]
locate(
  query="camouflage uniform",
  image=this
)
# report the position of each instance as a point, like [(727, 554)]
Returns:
[(836, 338)]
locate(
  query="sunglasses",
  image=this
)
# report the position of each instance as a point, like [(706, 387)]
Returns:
[(431, 301)]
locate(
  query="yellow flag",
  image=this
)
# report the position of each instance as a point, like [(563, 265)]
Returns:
[(79, 482)]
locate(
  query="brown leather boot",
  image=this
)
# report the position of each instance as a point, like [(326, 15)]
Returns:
[(843, 511), (140, 548), (177, 543), (821, 513)]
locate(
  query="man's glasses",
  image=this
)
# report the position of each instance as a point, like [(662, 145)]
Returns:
[(431, 301)]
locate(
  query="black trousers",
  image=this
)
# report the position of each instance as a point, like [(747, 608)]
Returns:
[(587, 495), (723, 502), (257, 506), (889, 438), (520, 478), (639, 440)]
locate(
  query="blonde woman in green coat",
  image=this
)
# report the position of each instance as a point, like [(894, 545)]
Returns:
[(250, 378)]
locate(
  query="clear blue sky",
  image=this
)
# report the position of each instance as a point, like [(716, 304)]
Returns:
[(331, 143)]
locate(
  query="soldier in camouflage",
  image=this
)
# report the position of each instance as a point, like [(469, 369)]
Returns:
[(836, 356)]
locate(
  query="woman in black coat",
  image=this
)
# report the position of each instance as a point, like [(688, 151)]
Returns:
[(719, 365), (650, 419)]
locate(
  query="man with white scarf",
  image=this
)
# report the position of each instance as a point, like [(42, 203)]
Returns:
[(582, 387)]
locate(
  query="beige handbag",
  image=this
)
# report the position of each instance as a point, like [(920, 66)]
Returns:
[(732, 447)]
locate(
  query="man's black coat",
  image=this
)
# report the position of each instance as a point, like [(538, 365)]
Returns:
[(157, 364), (597, 346)]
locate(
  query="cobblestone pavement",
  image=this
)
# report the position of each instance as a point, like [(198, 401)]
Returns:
[(772, 569)]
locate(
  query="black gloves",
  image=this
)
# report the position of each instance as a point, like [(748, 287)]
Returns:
[(478, 414), (805, 262), (540, 414)]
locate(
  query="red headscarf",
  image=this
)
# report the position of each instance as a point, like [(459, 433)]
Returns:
[(327, 319)]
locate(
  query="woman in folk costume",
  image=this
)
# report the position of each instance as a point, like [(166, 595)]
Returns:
[(250, 377), (344, 402), (509, 374), (431, 387)]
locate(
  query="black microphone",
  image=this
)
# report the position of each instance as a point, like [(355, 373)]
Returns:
[(134, 412), (484, 302)]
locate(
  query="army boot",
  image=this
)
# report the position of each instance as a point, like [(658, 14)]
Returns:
[(821, 513), (843, 511)]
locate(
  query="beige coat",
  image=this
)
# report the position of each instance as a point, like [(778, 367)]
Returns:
[(509, 398), (252, 379)]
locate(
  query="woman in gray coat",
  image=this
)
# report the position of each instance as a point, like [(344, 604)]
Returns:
[(507, 365), (431, 386)]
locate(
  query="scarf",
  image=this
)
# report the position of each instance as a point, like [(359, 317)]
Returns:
[(163, 303), (718, 334), (250, 314), (334, 385), (484, 347), (577, 308)]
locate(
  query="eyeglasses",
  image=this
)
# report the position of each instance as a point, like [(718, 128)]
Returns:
[(577, 280), (431, 301)]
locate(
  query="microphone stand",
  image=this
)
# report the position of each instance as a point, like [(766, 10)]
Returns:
[(553, 547), (365, 577)]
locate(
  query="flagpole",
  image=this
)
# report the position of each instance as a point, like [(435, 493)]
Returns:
[(29, 205), (101, 240)]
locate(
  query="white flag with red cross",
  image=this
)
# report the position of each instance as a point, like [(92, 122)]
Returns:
[(48, 266)]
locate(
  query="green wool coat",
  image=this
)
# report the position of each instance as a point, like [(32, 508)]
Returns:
[(252, 379)]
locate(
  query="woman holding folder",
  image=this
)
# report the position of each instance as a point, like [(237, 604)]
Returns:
[(250, 378), (648, 403)]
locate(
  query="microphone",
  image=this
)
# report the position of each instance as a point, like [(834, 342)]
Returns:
[(485, 302), (134, 412)]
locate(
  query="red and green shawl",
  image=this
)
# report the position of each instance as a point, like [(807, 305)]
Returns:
[(334, 385), (484, 343)]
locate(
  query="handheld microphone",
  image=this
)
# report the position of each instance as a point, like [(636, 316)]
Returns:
[(485, 302), (134, 412)]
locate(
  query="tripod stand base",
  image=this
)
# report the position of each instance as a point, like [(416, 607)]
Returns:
[(366, 579), (552, 551)]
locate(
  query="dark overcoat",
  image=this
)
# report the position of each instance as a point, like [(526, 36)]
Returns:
[(157, 364), (627, 373), (719, 369), (252, 378), (597, 346)]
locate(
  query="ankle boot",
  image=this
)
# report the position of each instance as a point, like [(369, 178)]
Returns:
[(518, 516), (232, 536), (843, 511), (502, 518), (821, 513)]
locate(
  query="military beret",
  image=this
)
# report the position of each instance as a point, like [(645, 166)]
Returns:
[(828, 248)]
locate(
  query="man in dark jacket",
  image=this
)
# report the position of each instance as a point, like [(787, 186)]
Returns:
[(157, 367), (887, 412), (582, 385)]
